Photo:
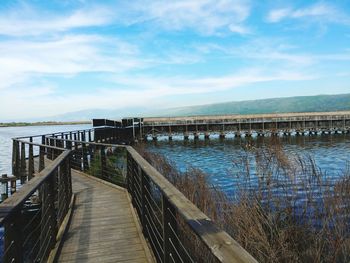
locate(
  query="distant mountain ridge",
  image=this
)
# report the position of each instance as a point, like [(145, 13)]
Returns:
[(277, 105), (320, 103)]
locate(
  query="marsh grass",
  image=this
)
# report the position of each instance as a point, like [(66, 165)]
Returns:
[(114, 171), (284, 207)]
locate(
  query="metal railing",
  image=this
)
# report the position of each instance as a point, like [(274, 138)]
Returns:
[(176, 229), (31, 217)]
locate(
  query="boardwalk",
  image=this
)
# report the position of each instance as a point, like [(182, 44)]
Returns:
[(103, 226)]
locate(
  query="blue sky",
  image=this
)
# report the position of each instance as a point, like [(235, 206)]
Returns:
[(62, 56)]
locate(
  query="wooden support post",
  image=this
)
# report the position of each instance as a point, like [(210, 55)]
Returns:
[(23, 163), (13, 186), (52, 154), (48, 150), (103, 161), (15, 158), (41, 158), (4, 187), (30, 162), (89, 136)]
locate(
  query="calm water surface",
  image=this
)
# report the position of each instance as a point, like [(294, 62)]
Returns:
[(216, 157), (6, 133)]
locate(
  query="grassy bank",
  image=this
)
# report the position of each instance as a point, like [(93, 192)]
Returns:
[(285, 209), (41, 123)]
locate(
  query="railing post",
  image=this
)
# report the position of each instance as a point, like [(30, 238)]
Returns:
[(89, 135), (23, 163), (130, 174), (41, 158), (30, 162), (145, 188), (52, 151), (4, 187), (103, 161), (48, 225), (84, 156), (76, 159), (15, 158)]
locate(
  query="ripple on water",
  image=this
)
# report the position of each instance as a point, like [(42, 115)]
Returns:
[(216, 157)]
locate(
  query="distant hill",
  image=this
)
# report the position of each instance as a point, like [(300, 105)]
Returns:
[(278, 105)]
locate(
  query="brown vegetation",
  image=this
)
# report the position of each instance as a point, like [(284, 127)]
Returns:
[(284, 209)]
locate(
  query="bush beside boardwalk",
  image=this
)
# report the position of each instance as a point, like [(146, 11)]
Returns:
[(284, 210)]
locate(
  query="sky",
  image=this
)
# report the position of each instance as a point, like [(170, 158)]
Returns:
[(63, 56)]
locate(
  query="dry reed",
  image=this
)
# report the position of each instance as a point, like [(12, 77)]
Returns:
[(285, 209)]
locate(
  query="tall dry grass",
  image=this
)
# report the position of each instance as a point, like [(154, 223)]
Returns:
[(285, 209)]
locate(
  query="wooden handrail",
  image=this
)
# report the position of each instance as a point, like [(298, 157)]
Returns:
[(11, 204), (223, 246)]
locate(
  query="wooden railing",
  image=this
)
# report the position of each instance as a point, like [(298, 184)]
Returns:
[(175, 228), (31, 217)]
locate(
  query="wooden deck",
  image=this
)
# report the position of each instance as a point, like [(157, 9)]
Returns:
[(104, 227)]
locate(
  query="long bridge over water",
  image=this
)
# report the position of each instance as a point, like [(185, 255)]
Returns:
[(238, 125), (87, 198)]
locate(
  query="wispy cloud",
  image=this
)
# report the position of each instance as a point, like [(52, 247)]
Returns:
[(206, 16), (320, 12), (26, 21), (66, 55)]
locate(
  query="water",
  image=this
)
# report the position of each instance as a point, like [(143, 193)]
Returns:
[(6, 133), (216, 157)]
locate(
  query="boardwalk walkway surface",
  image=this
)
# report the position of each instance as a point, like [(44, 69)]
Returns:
[(103, 226)]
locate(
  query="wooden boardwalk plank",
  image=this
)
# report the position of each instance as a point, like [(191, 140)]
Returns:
[(103, 227)]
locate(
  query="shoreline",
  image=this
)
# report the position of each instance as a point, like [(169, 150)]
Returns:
[(44, 123)]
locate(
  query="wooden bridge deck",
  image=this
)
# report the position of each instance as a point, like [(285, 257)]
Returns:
[(103, 227)]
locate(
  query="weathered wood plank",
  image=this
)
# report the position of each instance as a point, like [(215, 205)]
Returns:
[(103, 228)]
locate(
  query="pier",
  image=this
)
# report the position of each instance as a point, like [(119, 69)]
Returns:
[(84, 197), (284, 124)]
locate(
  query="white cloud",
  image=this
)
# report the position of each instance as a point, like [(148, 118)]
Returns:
[(320, 12), (27, 21), (278, 14), (204, 16), (69, 54)]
